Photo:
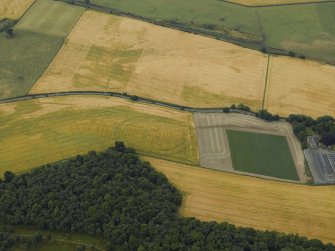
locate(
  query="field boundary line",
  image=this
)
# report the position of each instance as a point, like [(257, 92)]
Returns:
[(133, 98), (266, 80), (239, 173)]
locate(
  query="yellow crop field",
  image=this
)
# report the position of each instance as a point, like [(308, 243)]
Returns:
[(37, 132), (13, 8), (110, 53), (272, 2), (298, 86), (253, 202)]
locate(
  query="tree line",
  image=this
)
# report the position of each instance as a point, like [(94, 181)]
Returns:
[(303, 125), (323, 126), (116, 195)]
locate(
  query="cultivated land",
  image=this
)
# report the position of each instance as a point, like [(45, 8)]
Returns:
[(50, 17), (13, 8), (312, 32), (246, 201), (272, 2), (37, 38), (217, 152), (111, 53), (300, 87), (262, 154), (37, 132), (23, 59)]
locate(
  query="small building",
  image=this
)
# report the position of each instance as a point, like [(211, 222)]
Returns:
[(313, 141)]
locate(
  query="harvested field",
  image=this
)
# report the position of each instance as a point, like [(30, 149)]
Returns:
[(14, 8), (50, 17), (216, 151), (300, 87), (272, 2), (111, 53), (262, 154), (250, 202), (37, 132), (24, 58)]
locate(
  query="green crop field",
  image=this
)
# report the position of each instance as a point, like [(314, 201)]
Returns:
[(24, 58), (261, 154), (37, 38), (308, 29), (50, 17), (311, 32), (37, 132)]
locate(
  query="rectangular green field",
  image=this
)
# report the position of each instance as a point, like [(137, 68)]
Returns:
[(262, 154), (24, 57), (50, 17), (305, 28)]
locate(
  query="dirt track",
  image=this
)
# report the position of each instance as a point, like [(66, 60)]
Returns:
[(214, 147)]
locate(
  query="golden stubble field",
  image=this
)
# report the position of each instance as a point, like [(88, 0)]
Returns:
[(37, 132), (298, 86), (253, 202), (111, 53), (13, 8)]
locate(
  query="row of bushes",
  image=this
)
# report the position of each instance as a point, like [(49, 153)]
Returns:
[(9, 240)]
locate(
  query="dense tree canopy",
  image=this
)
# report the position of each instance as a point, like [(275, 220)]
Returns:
[(323, 126), (116, 195)]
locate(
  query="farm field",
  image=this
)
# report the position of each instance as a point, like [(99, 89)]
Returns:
[(23, 59), (37, 39), (44, 17), (245, 201), (37, 132), (111, 53), (300, 87), (272, 2), (261, 154), (14, 8), (256, 144), (312, 32)]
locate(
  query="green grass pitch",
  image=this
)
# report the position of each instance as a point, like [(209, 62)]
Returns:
[(262, 154)]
